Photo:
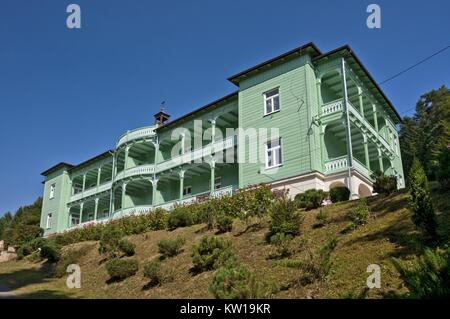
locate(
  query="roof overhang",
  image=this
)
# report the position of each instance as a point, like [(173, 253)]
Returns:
[(309, 48), (355, 64)]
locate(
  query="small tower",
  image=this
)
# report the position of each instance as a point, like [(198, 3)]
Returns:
[(161, 117)]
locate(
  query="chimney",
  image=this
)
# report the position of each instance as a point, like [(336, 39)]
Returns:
[(161, 117)]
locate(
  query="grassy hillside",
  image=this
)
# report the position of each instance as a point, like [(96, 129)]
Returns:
[(389, 233)]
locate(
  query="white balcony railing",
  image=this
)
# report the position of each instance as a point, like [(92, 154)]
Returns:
[(336, 164), (91, 191), (138, 170), (147, 131), (332, 107)]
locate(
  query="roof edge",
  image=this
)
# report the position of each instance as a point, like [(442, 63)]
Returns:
[(234, 78)]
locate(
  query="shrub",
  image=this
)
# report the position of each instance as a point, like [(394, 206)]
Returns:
[(211, 253), (443, 173), (24, 250), (157, 275), (384, 184), (224, 223), (126, 246), (180, 217), (339, 194), (322, 217), (234, 281), (427, 276), (71, 256), (121, 268), (311, 199), (358, 216), (285, 218), (318, 264), (282, 244), (51, 252), (424, 216), (170, 248), (109, 242)]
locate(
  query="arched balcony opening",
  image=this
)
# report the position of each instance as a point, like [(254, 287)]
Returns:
[(358, 144), (331, 87), (139, 154), (138, 193), (120, 160), (335, 141), (74, 215), (117, 202)]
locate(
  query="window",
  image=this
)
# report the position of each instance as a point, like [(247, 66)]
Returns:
[(187, 190), (271, 102), (52, 191), (49, 221), (273, 153), (74, 220), (218, 182)]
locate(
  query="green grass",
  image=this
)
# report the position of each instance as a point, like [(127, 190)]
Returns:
[(388, 233)]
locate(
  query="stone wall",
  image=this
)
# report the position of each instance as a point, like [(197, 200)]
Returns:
[(6, 254)]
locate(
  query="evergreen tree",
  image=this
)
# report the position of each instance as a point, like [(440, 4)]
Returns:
[(424, 216), (426, 135)]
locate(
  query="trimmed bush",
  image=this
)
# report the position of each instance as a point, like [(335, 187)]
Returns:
[(211, 253), (170, 247), (224, 223), (424, 216), (154, 271), (339, 194), (180, 217), (119, 269), (285, 218), (109, 242), (427, 276), (384, 184), (311, 199), (127, 247), (51, 252), (71, 256), (282, 244), (234, 281)]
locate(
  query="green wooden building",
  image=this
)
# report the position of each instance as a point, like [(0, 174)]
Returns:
[(302, 120)]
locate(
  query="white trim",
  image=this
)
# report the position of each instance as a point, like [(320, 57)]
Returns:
[(272, 99), (52, 191), (48, 223), (274, 149)]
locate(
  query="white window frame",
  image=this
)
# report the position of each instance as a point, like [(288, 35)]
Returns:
[(187, 190), (51, 194), (274, 149), (74, 218), (218, 182), (48, 223), (272, 98)]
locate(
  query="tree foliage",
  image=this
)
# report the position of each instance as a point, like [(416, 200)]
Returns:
[(23, 226), (424, 216), (427, 134)]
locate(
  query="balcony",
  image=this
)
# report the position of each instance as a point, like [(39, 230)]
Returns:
[(337, 106), (140, 133), (136, 171), (91, 191), (139, 210)]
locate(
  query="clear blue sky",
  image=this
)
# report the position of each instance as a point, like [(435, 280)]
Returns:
[(67, 95)]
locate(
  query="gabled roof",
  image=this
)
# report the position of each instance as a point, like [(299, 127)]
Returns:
[(71, 167), (206, 107), (347, 51), (309, 47), (56, 167)]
